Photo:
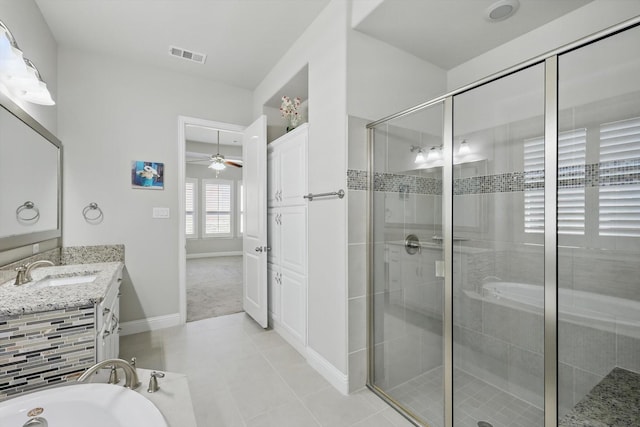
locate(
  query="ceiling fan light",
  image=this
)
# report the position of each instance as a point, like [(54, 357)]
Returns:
[(217, 164)]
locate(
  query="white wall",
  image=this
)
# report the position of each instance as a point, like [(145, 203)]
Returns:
[(382, 79), (324, 47), (589, 19), (24, 20), (113, 111)]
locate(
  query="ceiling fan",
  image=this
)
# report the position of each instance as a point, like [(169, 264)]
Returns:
[(217, 162)]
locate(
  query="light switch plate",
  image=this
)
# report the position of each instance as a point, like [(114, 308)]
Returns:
[(161, 213)]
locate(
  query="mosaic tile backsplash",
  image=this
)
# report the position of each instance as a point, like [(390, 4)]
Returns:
[(43, 349)]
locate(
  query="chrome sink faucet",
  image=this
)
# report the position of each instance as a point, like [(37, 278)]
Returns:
[(33, 265), (24, 271), (131, 376)]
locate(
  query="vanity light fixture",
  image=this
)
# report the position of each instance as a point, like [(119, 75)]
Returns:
[(420, 156), (464, 149), (18, 74), (466, 154)]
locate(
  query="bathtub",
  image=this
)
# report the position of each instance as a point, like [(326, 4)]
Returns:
[(79, 405), (585, 308)]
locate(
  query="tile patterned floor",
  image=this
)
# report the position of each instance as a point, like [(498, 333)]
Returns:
[(475, 401), (243, 376)]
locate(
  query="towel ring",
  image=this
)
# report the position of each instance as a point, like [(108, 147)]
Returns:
[(92, 207), (28, 205)]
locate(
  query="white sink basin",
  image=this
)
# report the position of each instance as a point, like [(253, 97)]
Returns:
[(63, 281), (81, 405)]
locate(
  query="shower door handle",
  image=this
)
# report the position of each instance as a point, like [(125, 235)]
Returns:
[(412, 244)]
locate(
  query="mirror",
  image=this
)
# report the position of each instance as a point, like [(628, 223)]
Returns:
[(30, 179)]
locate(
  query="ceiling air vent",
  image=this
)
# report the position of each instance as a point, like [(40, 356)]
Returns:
[(187, 54)]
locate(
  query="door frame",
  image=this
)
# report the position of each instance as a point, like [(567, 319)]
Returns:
[(183, 121)]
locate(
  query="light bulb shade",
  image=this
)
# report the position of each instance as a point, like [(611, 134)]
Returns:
[(37, 94), (420, 157), (434, 155), (217, 164), (464, 148), (12, 63)]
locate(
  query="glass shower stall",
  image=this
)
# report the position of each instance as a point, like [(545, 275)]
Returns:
[(504, 245)]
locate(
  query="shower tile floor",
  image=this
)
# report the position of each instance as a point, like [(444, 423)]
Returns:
[(475, 400)]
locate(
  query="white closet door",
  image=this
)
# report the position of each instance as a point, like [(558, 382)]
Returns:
[(293, 311), (273, 235), (292, 224), (254, 242), (293, 167)]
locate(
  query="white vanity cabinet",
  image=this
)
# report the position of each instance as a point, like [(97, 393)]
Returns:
[(287, 236), (108, 322)]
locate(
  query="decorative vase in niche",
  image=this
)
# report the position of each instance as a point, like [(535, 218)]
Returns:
[(293, 122)]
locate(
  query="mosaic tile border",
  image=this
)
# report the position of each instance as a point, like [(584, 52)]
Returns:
[(619, 172), (42, 349), (357, 180)]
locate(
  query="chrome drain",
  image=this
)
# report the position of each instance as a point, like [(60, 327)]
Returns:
[(484, 424)]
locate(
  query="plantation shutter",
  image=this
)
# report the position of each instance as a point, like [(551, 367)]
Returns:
[(217, 201), (619, 178), (190, 207), (571, 183)]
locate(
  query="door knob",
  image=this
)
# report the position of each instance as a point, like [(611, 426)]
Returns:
[(412, 244), (258, 248)]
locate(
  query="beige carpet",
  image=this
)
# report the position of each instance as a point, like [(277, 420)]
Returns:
[(214, 287)]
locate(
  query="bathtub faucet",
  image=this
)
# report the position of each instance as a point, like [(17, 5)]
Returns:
[(131, 377)]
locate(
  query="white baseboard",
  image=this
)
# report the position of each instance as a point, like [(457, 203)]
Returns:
[(214, 254), (290, 338), (149, 324), (330, 373)]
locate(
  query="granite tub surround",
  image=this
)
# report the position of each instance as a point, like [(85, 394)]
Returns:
[(92, 254), (30, 298), (614, 402)]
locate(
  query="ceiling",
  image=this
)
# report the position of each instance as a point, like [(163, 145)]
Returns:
[(243, 39), (447, 33), (210, 135)]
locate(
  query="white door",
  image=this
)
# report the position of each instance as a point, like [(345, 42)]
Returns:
[(254, 242)]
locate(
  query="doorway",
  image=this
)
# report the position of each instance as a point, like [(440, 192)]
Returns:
[(210, 219)]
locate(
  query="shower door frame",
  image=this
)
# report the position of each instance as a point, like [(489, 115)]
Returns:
[(550, 60)]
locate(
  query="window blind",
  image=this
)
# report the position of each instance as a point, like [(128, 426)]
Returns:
[(619, 178), (571, 183), (217, 202)]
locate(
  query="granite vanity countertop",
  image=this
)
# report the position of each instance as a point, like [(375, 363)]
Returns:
[(614, 402), (29, 298)]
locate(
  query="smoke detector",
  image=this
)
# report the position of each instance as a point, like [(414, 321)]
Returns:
[(187, 54), (501, 10)]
